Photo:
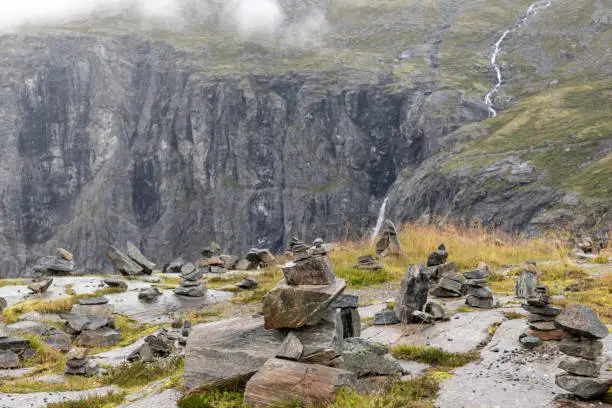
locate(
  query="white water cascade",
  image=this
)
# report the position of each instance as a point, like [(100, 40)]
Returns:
[(531, 11), (381, 218)]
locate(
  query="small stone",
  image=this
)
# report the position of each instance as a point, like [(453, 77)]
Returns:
[(192, 291), (190, 272), (98, 338), (542, 326), (316, 270), (248, 283), (481, 303), (8, 359), (476, 274), (116, 283), (443, 293), (149, 294), (422, 317), (545, 311), (481, 283), (480, 292), (77, 353), (93, 301), (367, 262), (581, 320), (584, 348), (532, 318), (435, 310), (3, 303), (345, 301), (548, 335), (243, 265), (530, 342), (580, 366), (40, 285), (386, 317), (291, 349), (438, 257), (365, 358)]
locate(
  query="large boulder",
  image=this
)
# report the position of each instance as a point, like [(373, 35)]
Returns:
[(583, 348), (526, 284), (287, 306), (365, 358), (322, 342), (413, 293), (54, 265), (580, 366), (123, 263), (104, 337), (283, 381), (228, 351), (581, 320), (314, 270), (51, 335), (135, 255), (388, 244)]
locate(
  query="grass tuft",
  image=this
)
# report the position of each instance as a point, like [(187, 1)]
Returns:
[(96, 401), (139, 373), (213, 399), (434, 356)]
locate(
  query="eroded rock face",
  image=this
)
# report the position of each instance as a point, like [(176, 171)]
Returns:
[(228, 351)]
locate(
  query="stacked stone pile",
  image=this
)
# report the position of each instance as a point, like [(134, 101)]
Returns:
[(540, 319), (155, 346), (476, 287), (91, 321), (388, 244), (12, 349), (443, 276), (190, 284), (77, 363), (587, 374), (527, 281)]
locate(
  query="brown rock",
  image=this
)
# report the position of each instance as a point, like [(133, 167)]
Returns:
[(283, 381), (315, 270), (548, 335), (291, 307)]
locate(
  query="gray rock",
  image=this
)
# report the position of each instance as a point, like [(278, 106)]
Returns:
[(190, 272), (78, 323), (481, 283), (581, 320), (365, 358), (291, 349), (542, 326), (116, 283), (260, 256), (90, 301), (476, 274), (314, 270), (287, 306), (248, 283), (229, 261), (191, 291), (40, 285), (228, 350), (16, 344), (155, 347), (479, 292), (388, 243), (322, 342), (54, 265), (435, 310), (544, 311), (525, 284), (443, 293), (438, 257), (104, 337), (174, 266), (451, 285), (386, 317), (213, 249), (437, 271), (243, 265), (123, 263), (345, 301), (368, 262), (481, 303), (584, 348), (51, 335), (351, 322), (63, 253), (530, 342), (217, 269), (584, 387), (533, 318), (135, 255), (422, 317), (413, 293), (580, 366), (104, 310), (189, 284), (8, 359), (149, 294)]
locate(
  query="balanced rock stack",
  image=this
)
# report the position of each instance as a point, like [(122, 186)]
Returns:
[(476, 286), (528, 278), (211, 261), (77, 363), (587, 375), (540, 319), (388, 244), (91, 331), (443, 276), (59, 265), (368, 262), (160, 345), (190, 285)]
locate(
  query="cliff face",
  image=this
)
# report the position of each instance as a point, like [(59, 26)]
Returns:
[(108, 140)]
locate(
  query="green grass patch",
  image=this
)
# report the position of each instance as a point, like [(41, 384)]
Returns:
[(434, 356), (359, 278), (139, 373), (103, 401), (11, 314), (213, 399)]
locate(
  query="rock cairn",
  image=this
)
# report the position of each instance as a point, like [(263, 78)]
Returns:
[(213, 260), (478, 293), (437, 257), (368, 262), (388, 244), (528, 278), (149, 294), (540, 319), (587, 374), (91, 321), (155, 346), (77, 363), (190, 284), (54, 266)]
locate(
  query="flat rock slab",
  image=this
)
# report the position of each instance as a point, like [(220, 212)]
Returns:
[(156, 311), (462, 333), (383, 334), (368, 312), (117, 356), (15, 373), (165, 399), (42, 399), (506, 378)]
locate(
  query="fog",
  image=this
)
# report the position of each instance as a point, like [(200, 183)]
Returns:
[(247, 18)]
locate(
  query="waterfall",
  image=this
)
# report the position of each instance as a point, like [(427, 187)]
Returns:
[(531, 11), (381, 219)]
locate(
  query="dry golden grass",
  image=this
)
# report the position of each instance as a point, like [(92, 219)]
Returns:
[(467, 247), (12, 313)]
